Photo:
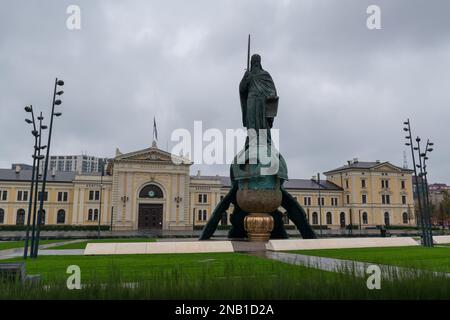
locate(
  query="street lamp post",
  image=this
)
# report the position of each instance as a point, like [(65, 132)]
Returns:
[(30, 202), (409, 143), (424, 181), (39, 157), (59, 83)]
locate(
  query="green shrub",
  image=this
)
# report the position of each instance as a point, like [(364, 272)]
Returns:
[(62, 227)]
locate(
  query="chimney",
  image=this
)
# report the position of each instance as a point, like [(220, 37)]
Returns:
[(18, 169), (355, 160), (53, 172), (377, 161)]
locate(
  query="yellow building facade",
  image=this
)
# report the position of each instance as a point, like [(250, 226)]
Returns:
[(146, 190)]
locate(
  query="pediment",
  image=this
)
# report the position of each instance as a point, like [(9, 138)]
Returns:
[(151, 155), (387, 167)]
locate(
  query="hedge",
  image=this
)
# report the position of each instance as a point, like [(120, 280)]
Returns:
[(56, 228)]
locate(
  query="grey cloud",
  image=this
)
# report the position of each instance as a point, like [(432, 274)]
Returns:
[(344, 90)]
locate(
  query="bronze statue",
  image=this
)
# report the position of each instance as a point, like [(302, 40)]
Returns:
[(255, 194), (257, 91)]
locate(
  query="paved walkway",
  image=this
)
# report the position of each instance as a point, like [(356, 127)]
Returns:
[(18, 252), (343, 266)]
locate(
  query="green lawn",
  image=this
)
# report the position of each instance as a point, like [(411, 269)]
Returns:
[(4, 245), (82, 245), (436, 259), (208, 276)]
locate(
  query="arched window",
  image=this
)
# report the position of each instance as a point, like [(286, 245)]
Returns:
[(90, 214), (329, 218), (43, 217), (95, 214), (365, 218), (2, 216), (151, 191), (61, 217), (20, 218), (405, 217), (386, 219), (315, 218), (342, 219)]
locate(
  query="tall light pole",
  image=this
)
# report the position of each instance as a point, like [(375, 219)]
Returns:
[(56, 93), (424, 182), (29, 109), (39, 157), (409, 143)]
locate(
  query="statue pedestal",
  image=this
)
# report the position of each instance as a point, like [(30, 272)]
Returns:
[(258, 226)]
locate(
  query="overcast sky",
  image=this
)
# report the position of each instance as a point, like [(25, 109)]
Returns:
[(344, 90)]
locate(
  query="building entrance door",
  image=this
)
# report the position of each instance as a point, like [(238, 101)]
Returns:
[(150, 216)]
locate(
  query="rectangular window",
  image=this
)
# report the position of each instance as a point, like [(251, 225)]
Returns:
[(3, 195), (383, 199), (321, 201), (348, 199), (388, 199), (334, 202), (364, 199), (22, 195), (91, 195), (97, 195), (363, 183), (403, 199), (346, 183), (307, 201), (403, 184), (62, 196), (202, 198)]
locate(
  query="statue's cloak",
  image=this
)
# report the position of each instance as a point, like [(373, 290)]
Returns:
[(254, 92)]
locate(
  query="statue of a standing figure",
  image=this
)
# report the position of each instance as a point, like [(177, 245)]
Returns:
[(257, 91)]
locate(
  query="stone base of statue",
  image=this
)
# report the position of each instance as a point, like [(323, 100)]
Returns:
[(259, 226)]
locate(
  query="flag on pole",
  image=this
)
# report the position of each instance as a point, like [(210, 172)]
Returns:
[(155, 131)]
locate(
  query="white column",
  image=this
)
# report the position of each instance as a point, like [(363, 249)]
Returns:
[(81, 211), (75, 205)]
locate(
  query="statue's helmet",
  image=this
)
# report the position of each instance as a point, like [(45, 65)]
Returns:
[(255, 60)]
